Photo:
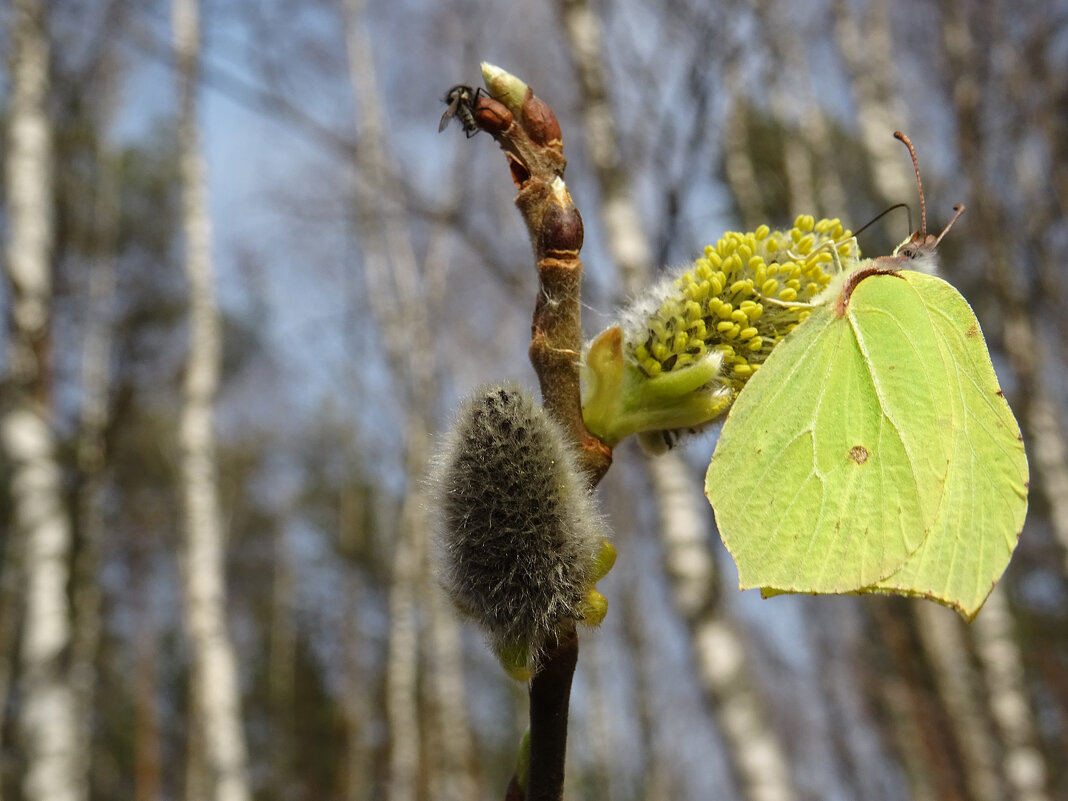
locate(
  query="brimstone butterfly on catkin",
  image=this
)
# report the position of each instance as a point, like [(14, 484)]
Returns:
[(873, 451)]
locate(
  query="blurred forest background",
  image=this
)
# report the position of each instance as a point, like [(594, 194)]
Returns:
[(246, 281)]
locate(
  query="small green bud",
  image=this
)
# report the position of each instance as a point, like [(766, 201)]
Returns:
[(520, 544), (594, 607), (687, 346), (606, 560), (514, 658), (504, 86)]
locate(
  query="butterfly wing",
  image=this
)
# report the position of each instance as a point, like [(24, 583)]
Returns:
[(986, 499), (825, 478)]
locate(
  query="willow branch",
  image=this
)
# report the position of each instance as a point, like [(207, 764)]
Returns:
[(527, 131)]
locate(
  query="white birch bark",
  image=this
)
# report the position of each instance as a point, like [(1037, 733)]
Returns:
[(959, 688), (1048, 450), (394, 283), (47, 715), (754, 751), (452, 745), (831, 196), (42, 529), (994, 629), (815, 185), (881, 110), (1023, 764), (446, 680), (655, 782), (1049, 458), (28, 177), (785, 91), (867, 48), (620, 218), (402, 656), (402, 672), (214, 671)]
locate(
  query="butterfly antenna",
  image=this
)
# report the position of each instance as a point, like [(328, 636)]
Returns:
[(882, 214), (919, 184), (959, 210)]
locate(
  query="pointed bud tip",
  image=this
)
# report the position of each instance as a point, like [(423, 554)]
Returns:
[(504, 87)]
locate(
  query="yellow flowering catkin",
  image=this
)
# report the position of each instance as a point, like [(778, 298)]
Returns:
[(740, 299)]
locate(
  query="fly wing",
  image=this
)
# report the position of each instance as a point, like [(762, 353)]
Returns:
[(453, 99)]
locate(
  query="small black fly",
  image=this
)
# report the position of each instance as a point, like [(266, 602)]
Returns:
[(461, 102)]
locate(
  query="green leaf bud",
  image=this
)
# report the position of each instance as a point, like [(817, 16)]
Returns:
[(504, 86)]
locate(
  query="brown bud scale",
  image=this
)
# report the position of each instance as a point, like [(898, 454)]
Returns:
[(561, 230), (492, 115), (539, 121)]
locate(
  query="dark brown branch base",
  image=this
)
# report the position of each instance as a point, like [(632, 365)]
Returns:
[(550, 694)]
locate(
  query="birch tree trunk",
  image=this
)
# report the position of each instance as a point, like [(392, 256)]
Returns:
[(655, 782), (1048, 449), (868, 51), (994, 629), (788, 103), (1023, 764), (755, 753), (946, 648), (42, 529), (402, 658), (214, 673), (394, 283), (815, 187), (880, 110), (724, 671), (1049, 456)]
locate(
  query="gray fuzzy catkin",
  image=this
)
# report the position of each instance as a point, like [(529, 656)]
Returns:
[(518, 534)]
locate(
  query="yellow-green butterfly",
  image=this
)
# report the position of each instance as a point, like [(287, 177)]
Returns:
[(874, 451)]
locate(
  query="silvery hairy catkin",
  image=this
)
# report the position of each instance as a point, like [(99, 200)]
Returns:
[(520, 543)]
